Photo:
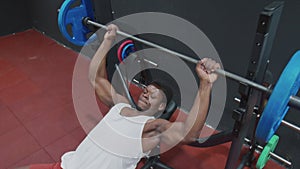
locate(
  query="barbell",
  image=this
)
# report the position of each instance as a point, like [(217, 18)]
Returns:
[(281, 97)]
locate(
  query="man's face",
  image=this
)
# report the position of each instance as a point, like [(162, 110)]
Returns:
[(151, 99)]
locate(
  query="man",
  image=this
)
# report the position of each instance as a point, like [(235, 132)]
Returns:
[(125, 135)]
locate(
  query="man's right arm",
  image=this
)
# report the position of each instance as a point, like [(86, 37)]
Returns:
[(98, 74)]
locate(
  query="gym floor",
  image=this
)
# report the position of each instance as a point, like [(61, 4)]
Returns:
[(37, 118)]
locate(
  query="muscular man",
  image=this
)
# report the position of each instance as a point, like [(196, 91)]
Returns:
[(125, 135)]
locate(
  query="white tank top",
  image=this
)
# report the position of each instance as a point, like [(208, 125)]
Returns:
[(115, 143)]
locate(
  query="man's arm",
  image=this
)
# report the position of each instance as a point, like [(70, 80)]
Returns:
[(189, 130), (98, 74)]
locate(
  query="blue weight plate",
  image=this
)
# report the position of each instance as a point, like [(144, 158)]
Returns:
[(73, 16), (129, 48), (277, 106)]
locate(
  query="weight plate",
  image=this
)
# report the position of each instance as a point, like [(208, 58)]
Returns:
[(73, 16), (265, 154), (129, 48), (120, 49), (277, 106)]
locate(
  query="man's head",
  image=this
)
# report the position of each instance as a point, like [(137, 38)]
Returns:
[(154, 98)]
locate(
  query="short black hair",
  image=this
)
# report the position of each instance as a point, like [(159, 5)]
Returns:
[(166, 89)]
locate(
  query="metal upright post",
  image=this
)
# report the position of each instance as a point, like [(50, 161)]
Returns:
[(265, 33)]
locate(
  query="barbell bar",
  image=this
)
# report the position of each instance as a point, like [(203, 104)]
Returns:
[(293, 102), (290, 125)]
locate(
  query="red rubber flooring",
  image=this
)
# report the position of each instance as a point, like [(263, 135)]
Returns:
[(37, 118)]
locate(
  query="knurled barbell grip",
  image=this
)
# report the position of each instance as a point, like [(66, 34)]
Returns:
[(294, 101)]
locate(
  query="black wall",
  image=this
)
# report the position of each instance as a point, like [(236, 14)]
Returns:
[(14, 15), (19, 15), (44, 17)]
